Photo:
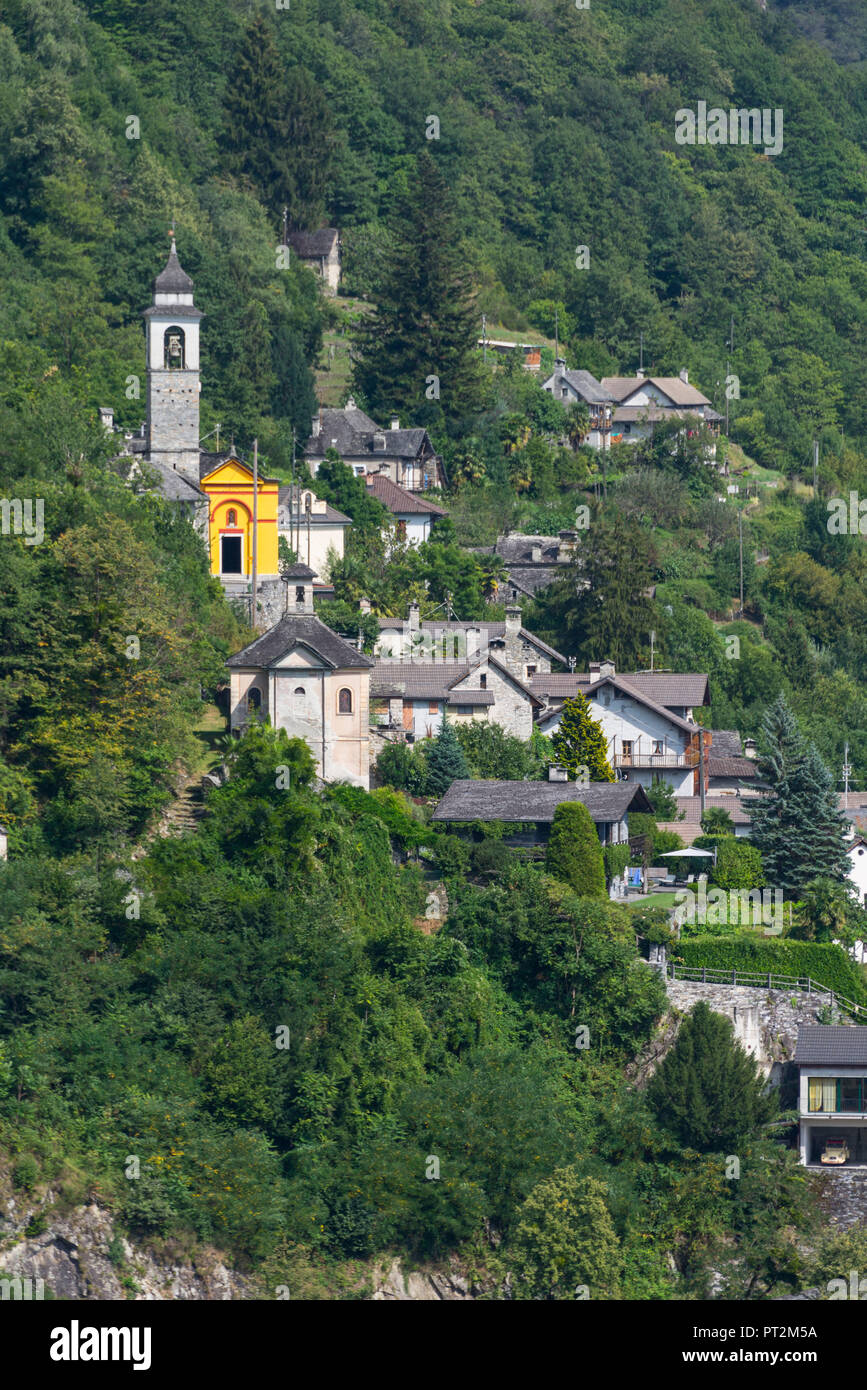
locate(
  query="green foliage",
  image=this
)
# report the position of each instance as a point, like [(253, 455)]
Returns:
[(825, 964), (708, 1092), (738, 864), (574, 854), (404, 768), (565, 1245), (717, 821), (579, 743), (663, 801), (492, 753), (615, 859)]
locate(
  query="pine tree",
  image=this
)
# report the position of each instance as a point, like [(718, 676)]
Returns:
[(796, 822), (255, 131), (579, 741), (574, 852), (445, 761), (425, 324), (709, 1092)]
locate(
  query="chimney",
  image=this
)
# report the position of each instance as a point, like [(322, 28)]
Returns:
[(640, 373), (513, 619), (106, 418), (513, 645), (317, 425), (684, 376), (379, 442), (364, 605), (557, 774), (750, 748), (565, 546), (395, 422), (414, 619), (536, 554), (599, 669)]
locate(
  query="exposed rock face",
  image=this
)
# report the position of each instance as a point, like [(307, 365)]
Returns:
[(72, 1259), (432, 1286), (766, 1021)]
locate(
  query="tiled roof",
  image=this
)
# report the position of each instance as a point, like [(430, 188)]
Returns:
[(537, 801), (731, 767), (300, 629), (624, 686), (494, 631), (330, 517), (691, 824), (312, 244), (677, 391), (672, 689), (831, 1045), (416, 680), (396, 498)]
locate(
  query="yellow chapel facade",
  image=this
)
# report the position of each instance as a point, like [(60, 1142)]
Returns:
[(228, 484)]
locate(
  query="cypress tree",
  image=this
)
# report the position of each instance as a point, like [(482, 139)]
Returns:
[(709, 1092), (425, 322), (254, 138), (445, 761), (574, 852), (580, 742), (797, 826)]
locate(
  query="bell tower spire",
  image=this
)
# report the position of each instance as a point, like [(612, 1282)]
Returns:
[(173, 322)]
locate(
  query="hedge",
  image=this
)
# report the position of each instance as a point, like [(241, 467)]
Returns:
[(828, 965)]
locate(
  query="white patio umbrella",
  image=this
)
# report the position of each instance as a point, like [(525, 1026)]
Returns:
[(689, 854)]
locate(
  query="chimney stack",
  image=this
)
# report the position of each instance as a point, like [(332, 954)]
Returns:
[(317, 425), (536, 554), (395, 422), (684, 376), (414, 620), (364, 605)]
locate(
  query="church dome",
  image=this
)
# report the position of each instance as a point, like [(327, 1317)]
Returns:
[(174, 279)]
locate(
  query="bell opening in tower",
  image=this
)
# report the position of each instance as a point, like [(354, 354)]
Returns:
[(173, 348)]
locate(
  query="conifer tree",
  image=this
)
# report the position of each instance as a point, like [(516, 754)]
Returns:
[(574, 852), (425, 324), (709, 1092), (579, 741), (796, 824), (445, 761), (255, 124)]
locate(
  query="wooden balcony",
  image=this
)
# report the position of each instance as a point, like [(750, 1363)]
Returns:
[(655, 760)]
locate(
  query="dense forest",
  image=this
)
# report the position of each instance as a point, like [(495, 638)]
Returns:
[(305, 1077)]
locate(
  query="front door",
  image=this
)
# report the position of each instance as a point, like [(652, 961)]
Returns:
[(626, 755), (230, 555)]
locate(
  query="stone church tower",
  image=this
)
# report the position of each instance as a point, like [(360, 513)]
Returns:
[(173, 371)]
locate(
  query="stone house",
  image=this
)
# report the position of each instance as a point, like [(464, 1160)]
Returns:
[(320, 252), (579, 387), (406, 456), (305, 679), (531, 563)]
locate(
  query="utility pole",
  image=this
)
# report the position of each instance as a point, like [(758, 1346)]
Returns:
[(815, 467), (556, 333), (255, 532), (731, 347), (652, 641), (484, 338), (847, 772), (641, 352), (701, 769), (741, 559)]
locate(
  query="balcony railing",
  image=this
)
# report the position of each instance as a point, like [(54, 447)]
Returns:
[(639, 759)]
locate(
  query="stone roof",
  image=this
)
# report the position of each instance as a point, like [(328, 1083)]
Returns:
[(537, 801), (585, 383), (726, 743), (173, 485), (330, 517), (310, 245), (173, 279), (433, 680), (493, 630), (351, 433), (299, 571), (300, 629), (831, 1045), (396, 498)]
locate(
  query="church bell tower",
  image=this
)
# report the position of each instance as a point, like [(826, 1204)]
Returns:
[(172, 323)]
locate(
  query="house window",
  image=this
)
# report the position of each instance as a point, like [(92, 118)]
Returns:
[(483, 682), (299, 691), (531, 671), (433, 706), (254, 700), (837, 1094), (657, 745), (231, 517), (401, 529), (344, 701)]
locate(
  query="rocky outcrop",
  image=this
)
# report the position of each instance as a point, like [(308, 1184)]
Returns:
[(391, 1284), (79, 1255)]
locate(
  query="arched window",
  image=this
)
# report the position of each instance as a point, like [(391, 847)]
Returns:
[(231, 517), (344, 701), (299, 690), (254, 699), (173, 347)]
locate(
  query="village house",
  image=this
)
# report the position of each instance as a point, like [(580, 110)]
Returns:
[(302, 677), (320, 252), (832, 1072), (534, 804), (642, 401), (572, 387), (412, 516), (531, 563), (466, 670), (311, 527), (530, 353), (406, 456), (646, 717)]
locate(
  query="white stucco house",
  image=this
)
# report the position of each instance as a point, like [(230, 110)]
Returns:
[(412, 516), (832, 1091)]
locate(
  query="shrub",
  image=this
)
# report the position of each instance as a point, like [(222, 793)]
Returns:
[(826, 964), (738, 865), (574, 852), (403, 768), (445, 761)]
